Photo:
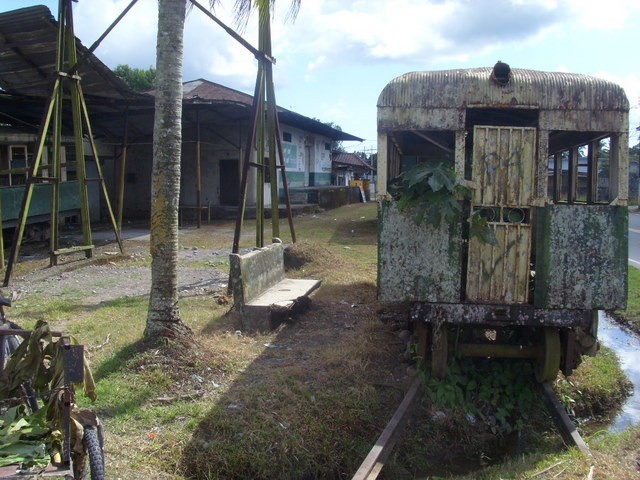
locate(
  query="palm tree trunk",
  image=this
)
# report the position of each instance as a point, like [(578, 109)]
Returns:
[(164, 315)]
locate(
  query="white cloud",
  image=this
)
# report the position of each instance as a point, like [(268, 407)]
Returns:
[(314, 64), (209, 51), (597, 15), (132, 41)]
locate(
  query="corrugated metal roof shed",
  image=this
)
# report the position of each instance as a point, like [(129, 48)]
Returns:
[(28, 39), (203, 91)]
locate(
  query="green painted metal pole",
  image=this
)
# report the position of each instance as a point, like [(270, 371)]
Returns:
[(260, 139), (198, 167), (105, 193), (76, 110), (57, 136), (251, 137), (285, 185), (123, 166), (1, 237), (56, 169), (28, 192), (271, 131)]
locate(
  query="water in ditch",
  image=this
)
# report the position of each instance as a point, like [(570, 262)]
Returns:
[(626, 345)]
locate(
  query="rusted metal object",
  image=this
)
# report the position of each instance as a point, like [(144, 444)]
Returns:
[(566, 427), (373, 464)]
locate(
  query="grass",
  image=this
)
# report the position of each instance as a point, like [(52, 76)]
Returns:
[(305, 401), (596, 388), (632, 313)]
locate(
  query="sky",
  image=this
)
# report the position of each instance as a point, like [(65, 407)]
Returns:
[(336, 56)]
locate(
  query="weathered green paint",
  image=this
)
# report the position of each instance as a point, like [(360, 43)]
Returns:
[(296, 179), (417, 262), (581, 257), (253, 273), (11, 200), (261, 290)]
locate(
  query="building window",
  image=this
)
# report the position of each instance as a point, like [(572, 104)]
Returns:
[(16, 160), (327, 146), (286, 137)]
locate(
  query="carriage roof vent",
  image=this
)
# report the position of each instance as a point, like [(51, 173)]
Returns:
[(501, 73)]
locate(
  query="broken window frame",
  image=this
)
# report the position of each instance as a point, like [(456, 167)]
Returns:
[(571, 191)]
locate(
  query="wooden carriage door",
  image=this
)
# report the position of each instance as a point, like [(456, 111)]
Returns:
[(503, 172)]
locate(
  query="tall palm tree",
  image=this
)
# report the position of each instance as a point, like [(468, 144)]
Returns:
[(163, 317)]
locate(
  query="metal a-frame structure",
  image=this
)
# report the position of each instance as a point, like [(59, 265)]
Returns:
[(263, 132), (66, 82)]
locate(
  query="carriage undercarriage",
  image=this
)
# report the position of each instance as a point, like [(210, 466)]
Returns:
[(554, 340)]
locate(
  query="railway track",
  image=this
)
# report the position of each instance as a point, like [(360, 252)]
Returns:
[(374, 462)]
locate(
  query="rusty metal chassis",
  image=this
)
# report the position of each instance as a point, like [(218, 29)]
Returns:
[(499, 315)]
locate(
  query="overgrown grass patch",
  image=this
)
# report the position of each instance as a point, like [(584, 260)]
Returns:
[(597, 387), (631, 315)]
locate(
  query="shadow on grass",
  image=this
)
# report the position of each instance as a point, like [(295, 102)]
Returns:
[(308, 405), (117, 362)]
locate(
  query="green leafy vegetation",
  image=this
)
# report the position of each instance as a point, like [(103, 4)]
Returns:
[(139, 79), (433, 192), (22, 438), (497, 392), (31, 439)]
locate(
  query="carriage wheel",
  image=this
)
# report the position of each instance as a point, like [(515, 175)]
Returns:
[(439, 351), (547, 363)]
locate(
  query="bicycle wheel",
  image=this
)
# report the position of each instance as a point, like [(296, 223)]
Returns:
[(92, 443)]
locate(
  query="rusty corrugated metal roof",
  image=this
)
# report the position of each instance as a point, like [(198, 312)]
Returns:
[(203, 91), (28, 39), (473, 86), (351, 159)]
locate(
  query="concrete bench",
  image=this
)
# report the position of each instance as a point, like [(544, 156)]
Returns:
[(261, 293)]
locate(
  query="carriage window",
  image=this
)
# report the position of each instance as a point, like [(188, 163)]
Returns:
[(603, 193), (580, 174)]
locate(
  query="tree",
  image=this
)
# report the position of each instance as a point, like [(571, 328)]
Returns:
[(163, 319), (138, 79), (336, 145)]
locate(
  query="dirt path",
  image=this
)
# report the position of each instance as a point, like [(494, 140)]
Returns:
[(109, 275)]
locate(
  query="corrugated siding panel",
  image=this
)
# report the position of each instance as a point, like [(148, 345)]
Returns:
[(468, 87)]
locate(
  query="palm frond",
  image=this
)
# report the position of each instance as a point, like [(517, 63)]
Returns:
[(243, 9)]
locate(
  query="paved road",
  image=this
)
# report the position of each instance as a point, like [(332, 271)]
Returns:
[(634, 238)]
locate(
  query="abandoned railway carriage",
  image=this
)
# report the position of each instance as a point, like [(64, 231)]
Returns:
[(540, 162)]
